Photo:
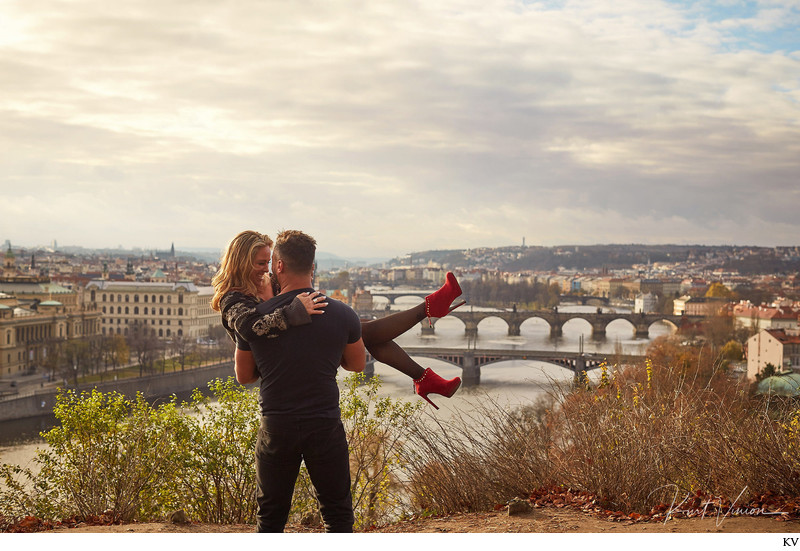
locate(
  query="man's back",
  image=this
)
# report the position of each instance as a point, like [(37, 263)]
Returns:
[(298, 367)]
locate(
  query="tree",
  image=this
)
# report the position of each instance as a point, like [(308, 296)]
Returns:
[(76, 358), (719, 329), (182, 346), (768, 371), (54, 359), (718, 290), (118, 351), (733, 351), (145, 345)]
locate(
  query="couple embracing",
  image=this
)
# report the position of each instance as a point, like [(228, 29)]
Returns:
[(293, 339)]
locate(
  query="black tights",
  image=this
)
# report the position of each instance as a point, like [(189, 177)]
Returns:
[(378, 338)]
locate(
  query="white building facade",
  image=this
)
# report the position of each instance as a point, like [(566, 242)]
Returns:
[(166, 309)]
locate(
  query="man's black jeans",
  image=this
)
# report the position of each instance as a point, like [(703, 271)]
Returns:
[(283, 442)]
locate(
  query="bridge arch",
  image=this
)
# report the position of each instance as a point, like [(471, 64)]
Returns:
[(495, 320), (449, 321), (622, 322), (665, 321), (577, 320), (393, 296), (535, 324)]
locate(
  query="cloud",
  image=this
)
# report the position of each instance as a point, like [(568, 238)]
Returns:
[(384, 128)]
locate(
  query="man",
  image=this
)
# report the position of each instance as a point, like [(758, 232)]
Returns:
[(299, 397)]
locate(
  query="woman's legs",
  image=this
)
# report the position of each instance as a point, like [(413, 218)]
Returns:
[(426, 381), (436, 305), (379, 335), (391, 354), (389, 328)]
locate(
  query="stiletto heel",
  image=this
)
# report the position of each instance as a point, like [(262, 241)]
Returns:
[(438, 304), (461, 302), (431, 383), (430, 401)]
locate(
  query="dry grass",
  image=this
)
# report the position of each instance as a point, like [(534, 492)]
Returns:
[(636, 440)]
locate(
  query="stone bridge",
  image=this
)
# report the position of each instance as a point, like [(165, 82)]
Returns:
[(471, 361), (599, 321), (393, 294)]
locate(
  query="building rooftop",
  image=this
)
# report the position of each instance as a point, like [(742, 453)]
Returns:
[(138, 286), (781, 385), (784, 337)]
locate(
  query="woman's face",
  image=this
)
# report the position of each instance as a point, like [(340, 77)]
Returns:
[(261, 265)]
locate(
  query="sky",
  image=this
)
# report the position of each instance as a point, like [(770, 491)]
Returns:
[(387, 127)]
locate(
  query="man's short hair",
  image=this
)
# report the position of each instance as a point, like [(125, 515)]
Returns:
[(297, 250)]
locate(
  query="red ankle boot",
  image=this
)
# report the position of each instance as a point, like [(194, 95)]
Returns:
[(437, 304), (430, 382)]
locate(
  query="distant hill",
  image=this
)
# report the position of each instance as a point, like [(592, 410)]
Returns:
[(745, 259)]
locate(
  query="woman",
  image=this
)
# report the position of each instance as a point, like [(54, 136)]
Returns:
[(243, 281)]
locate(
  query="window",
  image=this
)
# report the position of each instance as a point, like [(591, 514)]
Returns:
[(145, 310), (180, 311), (136, 310), (104, 297), (145, 298), (135, 298)]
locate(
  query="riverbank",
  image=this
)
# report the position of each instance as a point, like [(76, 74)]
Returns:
[(40, 402)]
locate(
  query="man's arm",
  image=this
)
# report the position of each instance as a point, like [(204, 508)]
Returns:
[(245, 367), (354, 357), (244, 315)]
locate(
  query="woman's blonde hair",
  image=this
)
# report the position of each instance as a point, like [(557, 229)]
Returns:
[(236, 266)]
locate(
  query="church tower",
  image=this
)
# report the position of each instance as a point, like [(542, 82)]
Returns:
[(10, 263)]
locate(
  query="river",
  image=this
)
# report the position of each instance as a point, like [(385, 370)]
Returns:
[(510, 383)]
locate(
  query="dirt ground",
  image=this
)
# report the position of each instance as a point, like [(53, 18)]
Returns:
[(538, 520)]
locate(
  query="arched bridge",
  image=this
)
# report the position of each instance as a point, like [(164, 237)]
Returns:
[(585, 299), (599, 321), (471, 361), (392, 295)]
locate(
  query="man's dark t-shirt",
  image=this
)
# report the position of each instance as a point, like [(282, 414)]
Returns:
[(298, 366)]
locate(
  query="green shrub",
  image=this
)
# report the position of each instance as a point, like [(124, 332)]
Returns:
[(133, 461)]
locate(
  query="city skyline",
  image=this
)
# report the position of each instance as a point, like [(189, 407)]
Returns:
[(389, 128)]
